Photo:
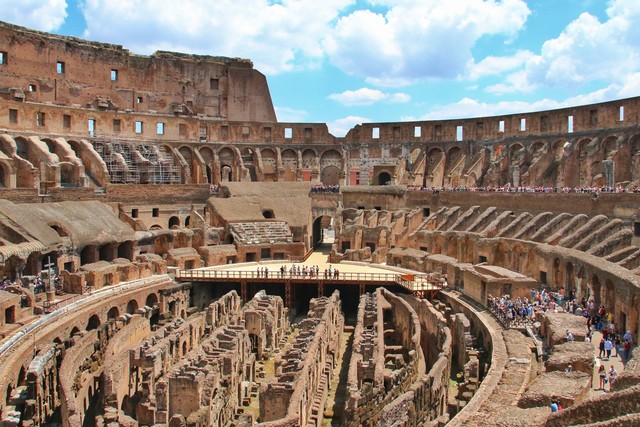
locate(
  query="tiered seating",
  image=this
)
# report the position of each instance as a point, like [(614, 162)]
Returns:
[(249, 233)]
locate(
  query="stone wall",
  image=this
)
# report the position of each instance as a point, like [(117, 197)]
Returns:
[(303, 372)]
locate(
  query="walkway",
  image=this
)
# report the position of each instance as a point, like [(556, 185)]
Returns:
[(615, 361)]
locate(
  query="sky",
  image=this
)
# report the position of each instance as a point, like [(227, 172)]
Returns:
[(344, 62)]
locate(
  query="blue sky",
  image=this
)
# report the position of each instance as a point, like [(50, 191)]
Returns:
[(345, 62)]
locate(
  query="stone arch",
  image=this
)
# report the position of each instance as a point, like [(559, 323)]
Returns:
[(290, 164), (437, 245), (113, 313), (269, 164), (152, 300), (383, 178), (609, 147), (74, 331), (132, 306), (228, 160), (583, 168), (249, 161), (309, 159), (207, 156), (434, 167), (4, 175), (174, 222), (453, 168), (330, 167), (93, 322)]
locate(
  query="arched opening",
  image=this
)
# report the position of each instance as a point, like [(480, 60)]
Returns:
[(323, 233), (67, 175), (106, 252), (187, 221), (9, 391), (330, 166), (88, 255), (384, 178), (227, 160), (113, 313), (184, 348), (3, 176), (174, 222), (254, 339), (268, 214), (125, 250), (93, 323), (290, 164), (74, 331), (152, 302), (132, 306)]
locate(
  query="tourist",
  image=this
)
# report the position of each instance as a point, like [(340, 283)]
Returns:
[(613, 375), (627, 350), (608, 345), (601, 348), (554, 406), (569, 336), (603, 376), (569, 369), (627, 336)]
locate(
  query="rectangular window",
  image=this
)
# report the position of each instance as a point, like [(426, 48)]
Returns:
[(39, 119), (214, 84), (523, 125), (155, 212), (224, 132), (66, 121), (3, 58), (160, 128), (182, 129), (267, 132), (203, 133), (134, 213), (60, 68), (437, 131), (13, 116), (357, 178), (139, 100), (139, 127), (621, 113), (114, 75), (116, 125), (33, 88), (501, 126), (245, 131), (593, 117), (375, 133), (396, 132), (417, 131), (308, 133), (459, 133), (92, 127), (288, 133), (570, 124)]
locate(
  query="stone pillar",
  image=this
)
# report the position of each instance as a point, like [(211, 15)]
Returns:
[(608, 169)]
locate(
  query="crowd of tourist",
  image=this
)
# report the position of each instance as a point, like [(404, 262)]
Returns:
[(325, 189), (214, 188), (525, 189), (300, 271), (36, 283)]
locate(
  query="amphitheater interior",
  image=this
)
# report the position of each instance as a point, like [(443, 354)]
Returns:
[(159, 231)]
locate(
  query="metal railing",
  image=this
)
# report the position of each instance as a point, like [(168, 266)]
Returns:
[(501, 313), (419, 283)]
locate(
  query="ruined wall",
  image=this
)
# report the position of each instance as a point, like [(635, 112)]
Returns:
[(303, 372)]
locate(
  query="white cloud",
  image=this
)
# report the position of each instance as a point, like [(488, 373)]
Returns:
[(366, 96), (36, 14), (418, 39), (586, 51), (468, 107), (276, 36), (340, 127), (492, 65), (292, 115)]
